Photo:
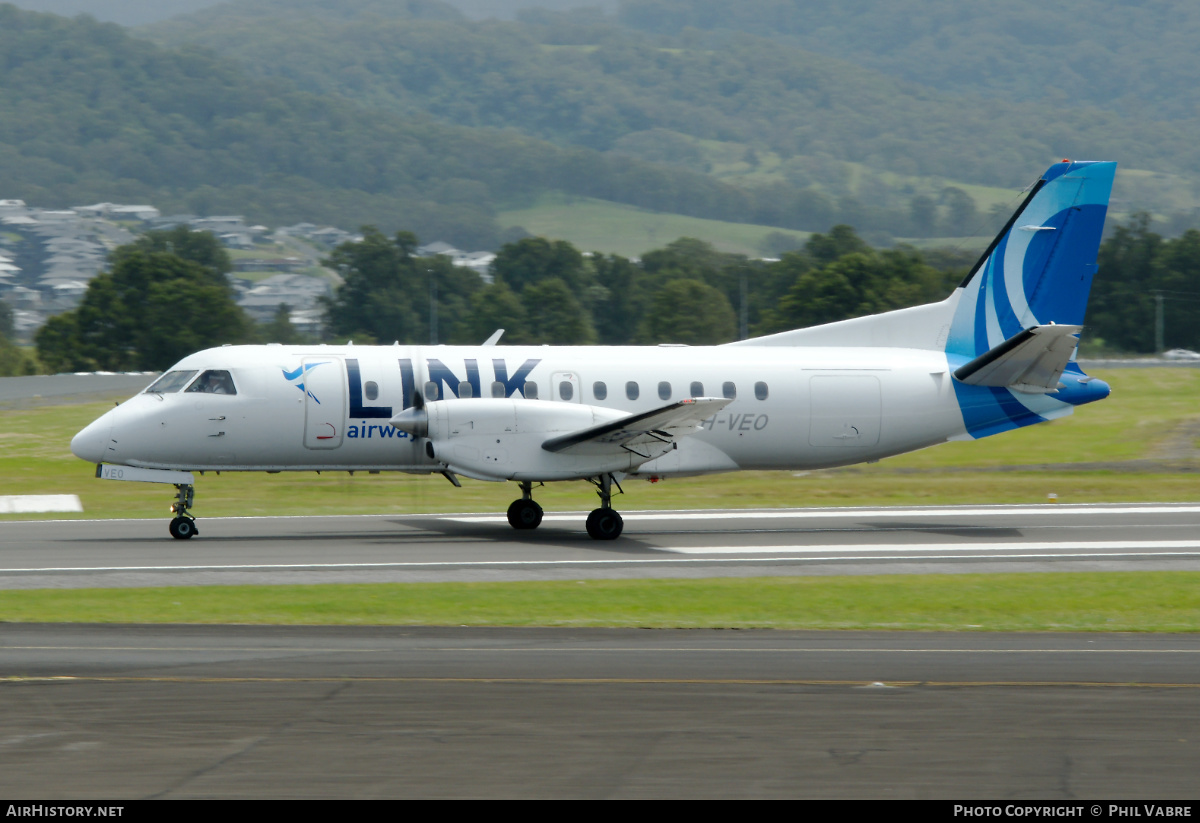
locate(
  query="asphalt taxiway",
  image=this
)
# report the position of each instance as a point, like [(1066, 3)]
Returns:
[(269, 712), (298, 712), (84, 553)]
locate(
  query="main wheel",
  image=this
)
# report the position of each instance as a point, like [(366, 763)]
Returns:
[(182, 528), (524, 514), (604, 524)]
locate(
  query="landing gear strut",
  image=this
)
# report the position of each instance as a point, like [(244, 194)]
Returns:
[(525, 513), (605, 523), (183, 527)]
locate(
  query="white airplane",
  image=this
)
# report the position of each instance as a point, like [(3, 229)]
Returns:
[(997, 354)]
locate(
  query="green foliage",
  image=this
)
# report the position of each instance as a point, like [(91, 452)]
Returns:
[(280, 328), (839, 277), (534, 259), (386, 292), (1132, 57), (553, 314), (498, 307), (1135, 264), (153, 308), (6, 321), (984, 115), (88, 113), (198, 246), (688, 311)]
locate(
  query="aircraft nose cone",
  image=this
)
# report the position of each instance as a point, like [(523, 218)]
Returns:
[(91, 444)]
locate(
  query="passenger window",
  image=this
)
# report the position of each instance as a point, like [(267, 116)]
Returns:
[(465, 391), (433, 391), (372, 390), (172, 381), (664, 390), (760, 390), (697, 388), (599, 390), (728, 389), (631, 390), (213, 381), (498, 389), (530, 390), (565, 390)]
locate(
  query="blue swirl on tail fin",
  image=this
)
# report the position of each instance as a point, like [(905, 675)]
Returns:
[(1037, 271)]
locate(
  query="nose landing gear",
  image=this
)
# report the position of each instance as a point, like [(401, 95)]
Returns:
[(183, 527)]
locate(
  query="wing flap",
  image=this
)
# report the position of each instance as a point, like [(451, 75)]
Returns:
[(647, 434), (1031, 361)]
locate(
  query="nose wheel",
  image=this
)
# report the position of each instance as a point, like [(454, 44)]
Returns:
[(183, 526)]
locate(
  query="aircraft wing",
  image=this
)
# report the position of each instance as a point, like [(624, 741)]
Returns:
[(647, 434), (1031, 361)]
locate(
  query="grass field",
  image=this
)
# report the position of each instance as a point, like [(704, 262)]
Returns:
[(1126, 602), (600, 225), (1143, 443)]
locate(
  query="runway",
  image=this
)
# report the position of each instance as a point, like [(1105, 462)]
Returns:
[(267, 712), (298, 712), (471, 547)]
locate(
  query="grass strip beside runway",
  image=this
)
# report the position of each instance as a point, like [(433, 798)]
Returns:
[(1152, 416), (1103, 601)]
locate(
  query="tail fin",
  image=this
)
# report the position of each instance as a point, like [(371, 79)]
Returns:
[(1018, 310), (1039, 269)]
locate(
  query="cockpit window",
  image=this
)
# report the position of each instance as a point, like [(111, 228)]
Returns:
[(213, 381), (172, 381)]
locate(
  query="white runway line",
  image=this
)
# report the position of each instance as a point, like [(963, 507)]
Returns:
[(800, 514), (665, 559), (31, 503), (1108, 546)]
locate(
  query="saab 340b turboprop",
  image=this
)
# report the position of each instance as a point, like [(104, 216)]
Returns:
[(997, 354)]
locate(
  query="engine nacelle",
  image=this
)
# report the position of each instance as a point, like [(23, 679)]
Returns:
[(501, 439)]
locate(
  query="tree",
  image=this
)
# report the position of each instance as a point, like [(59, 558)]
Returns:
[(852, 285), (688, 311), (151, 309), (382, 288), (498, 307), (280, 328), (555, 316), (200, 247), (535, 259), (962, 219)]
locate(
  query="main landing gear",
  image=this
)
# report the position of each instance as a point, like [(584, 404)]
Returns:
[(525, 513), (604, 523), (183, 527)]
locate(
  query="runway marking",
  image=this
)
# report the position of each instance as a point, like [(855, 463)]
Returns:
[(584, 681), (972, 547), (778, 514), (710, 514), (662, 561), (573, 649)]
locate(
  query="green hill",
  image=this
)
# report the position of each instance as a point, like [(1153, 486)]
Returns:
[(859, 137), (1137, 59), (89, 113)]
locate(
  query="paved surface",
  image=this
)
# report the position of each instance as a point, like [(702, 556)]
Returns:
[(51, 389), (40, 554), (129, 712)]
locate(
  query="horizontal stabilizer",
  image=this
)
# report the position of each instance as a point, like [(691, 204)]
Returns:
[(646, 433), (1031, 361)]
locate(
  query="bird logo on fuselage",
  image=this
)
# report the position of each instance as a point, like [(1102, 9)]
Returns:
[(296, 377)]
